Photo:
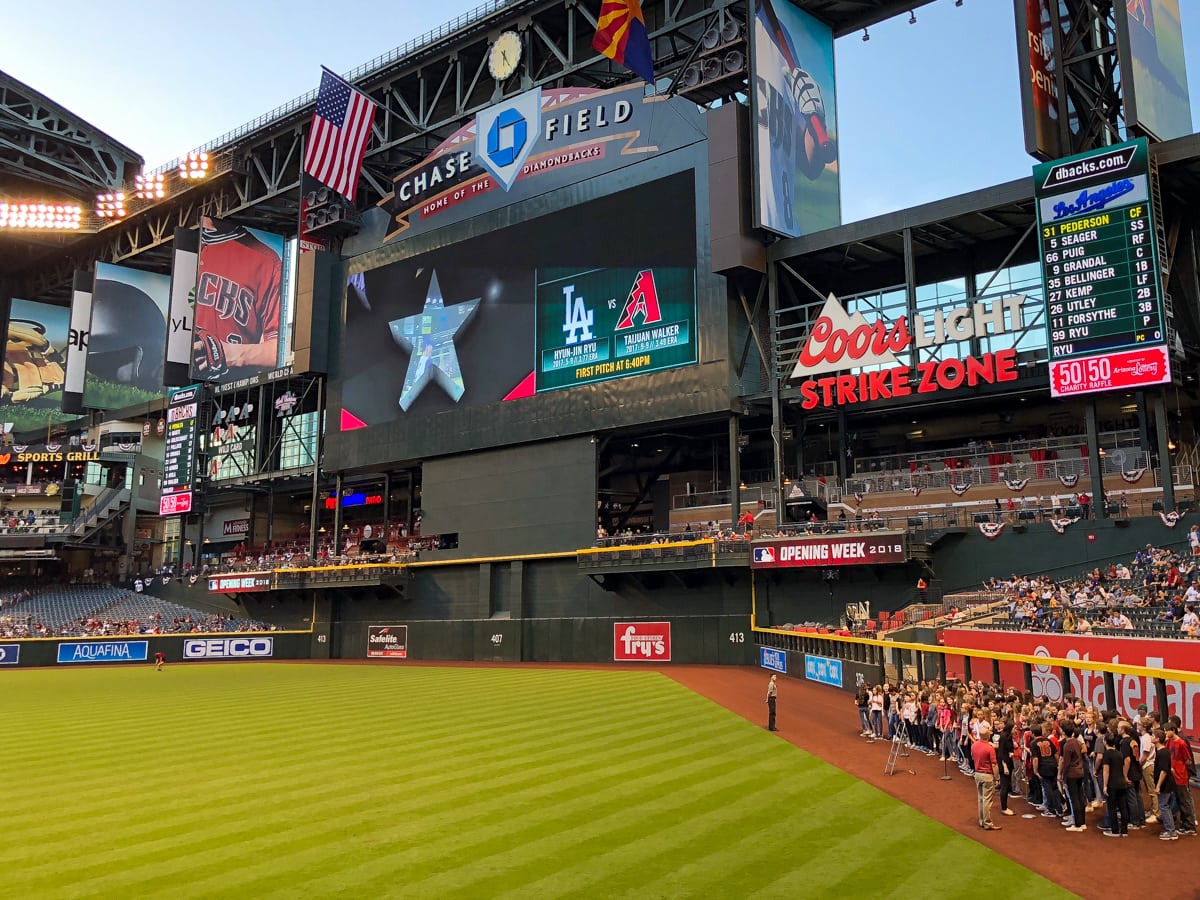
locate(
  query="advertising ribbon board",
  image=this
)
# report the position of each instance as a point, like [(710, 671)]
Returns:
[(849, 550)]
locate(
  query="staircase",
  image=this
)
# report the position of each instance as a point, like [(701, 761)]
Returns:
[(108, 503)]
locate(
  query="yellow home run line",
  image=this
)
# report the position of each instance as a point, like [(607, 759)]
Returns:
[(1043, 661)]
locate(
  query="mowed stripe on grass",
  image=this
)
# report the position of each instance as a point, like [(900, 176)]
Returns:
[(256, 780)]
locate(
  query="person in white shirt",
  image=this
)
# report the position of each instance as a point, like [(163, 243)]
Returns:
[(1190, 622)]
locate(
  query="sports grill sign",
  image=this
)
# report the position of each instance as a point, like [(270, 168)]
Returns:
[(387, 641), (857, 550), (642, 642), (847, 360)]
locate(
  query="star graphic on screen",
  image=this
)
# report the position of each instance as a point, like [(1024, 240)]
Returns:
[(429, 338)]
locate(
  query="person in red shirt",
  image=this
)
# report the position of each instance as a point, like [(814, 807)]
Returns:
[(1180, 754), (159, 659), (983, 754)]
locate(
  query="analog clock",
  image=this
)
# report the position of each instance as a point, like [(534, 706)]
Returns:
[(505, 55)]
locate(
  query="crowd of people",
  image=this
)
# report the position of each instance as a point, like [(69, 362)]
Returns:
[(1064, 759), (1159, 585), (95, 626)]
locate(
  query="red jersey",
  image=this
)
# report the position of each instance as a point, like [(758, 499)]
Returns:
[(237, 294)]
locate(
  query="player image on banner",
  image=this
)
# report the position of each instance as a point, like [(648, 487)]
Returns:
[(795, 114), (127, 337), (239, 286), (34, 370), (1156, 87)]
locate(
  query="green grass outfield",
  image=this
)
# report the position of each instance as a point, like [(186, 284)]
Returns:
[(262, 780)]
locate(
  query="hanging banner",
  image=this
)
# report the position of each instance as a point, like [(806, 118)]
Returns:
[(184, 256)]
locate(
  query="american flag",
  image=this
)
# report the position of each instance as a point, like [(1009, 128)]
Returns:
[(341, 125)]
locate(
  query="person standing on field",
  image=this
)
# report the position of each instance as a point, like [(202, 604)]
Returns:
[(983, 754), (772, 694)]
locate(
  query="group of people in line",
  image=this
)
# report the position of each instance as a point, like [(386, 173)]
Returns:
[(1065, 759)]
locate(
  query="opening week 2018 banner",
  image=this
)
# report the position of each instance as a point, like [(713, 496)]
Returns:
[(849, 550)]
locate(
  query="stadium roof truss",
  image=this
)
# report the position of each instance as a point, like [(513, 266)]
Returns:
[(43, 143), (426, 90)]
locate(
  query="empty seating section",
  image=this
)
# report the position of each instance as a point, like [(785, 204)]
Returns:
[(82, 610)]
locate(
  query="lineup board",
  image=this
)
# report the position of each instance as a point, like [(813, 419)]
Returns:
[(1105, 323), (179, 455)]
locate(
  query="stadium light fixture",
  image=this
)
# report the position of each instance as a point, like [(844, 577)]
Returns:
[(866, 35), (111, 206), (40, 216), (149, 187), (194, 166), (912, 17)]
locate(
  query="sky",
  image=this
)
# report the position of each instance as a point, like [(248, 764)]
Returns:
[(926, 111)]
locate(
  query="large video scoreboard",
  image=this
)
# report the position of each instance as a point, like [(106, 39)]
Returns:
[(1104, 312)]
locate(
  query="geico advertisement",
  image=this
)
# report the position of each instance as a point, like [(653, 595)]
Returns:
[(228, 648)]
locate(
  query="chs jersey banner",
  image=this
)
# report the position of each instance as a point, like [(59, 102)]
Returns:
[(238, 302)]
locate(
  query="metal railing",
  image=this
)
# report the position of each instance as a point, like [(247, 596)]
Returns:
[(105, 501), (380, 62), (751, 495), (1052, 470), (1125, 439)]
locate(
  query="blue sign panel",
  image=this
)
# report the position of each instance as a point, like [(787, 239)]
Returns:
[(770, 658), (823, 670), (10, 654), (103, 651)]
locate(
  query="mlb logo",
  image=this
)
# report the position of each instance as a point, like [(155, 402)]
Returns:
[(764, 554)]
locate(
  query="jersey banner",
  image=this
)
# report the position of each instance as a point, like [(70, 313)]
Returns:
[(239, 288), (126, 337)]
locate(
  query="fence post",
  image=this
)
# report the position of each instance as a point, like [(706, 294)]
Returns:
[(1027, 674), (1160, 695), (1065, 675), (1110, 691)]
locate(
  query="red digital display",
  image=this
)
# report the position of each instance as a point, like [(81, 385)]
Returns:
[(1110, 372), (827, 552)]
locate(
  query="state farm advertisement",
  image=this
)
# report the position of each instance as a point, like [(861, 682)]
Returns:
[(1182, 698), (847, 360), (642, 642), (846, 550)]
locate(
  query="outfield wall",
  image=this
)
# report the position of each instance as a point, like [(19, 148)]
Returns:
[(140, 649), (720, 640)]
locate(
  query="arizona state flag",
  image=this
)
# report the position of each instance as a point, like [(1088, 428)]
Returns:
[(621, 36)]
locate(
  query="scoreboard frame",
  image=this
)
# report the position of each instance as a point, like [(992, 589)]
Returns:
[(1106, 327), (179, 454)]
